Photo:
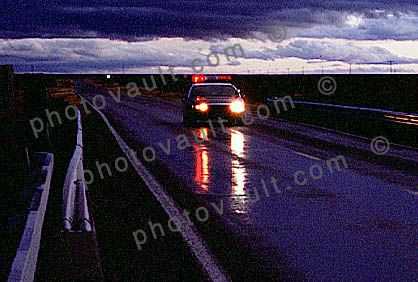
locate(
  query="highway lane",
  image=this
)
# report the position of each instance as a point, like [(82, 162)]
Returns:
[(359, 222)]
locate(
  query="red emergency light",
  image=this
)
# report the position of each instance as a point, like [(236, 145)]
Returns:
[(224, 77), (200, 78)]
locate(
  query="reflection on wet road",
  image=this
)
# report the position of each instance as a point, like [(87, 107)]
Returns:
[(238, 171), (202, 159), (202, 172), (204, 168)]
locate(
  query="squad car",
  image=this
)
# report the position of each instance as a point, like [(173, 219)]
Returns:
[(211, 97)]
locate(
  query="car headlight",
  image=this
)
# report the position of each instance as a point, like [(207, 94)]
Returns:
[(203, 107), (237, 106)]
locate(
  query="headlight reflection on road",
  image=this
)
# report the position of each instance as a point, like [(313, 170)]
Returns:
[(239, 172), (202, 162), (202, 176)]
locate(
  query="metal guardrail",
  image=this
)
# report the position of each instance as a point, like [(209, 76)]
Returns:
[(408, 119), (399, 127), (364, 109), (79, 230), (76, 213), (24, 263)]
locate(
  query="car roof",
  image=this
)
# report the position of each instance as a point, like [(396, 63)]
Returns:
[(213, 83)]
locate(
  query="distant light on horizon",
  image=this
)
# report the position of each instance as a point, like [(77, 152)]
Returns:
[(354, 21)]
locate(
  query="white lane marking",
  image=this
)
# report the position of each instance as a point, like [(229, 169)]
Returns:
[(307, 156), (188, 232)]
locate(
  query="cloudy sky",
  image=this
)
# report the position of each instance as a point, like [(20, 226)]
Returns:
[(310, 36)]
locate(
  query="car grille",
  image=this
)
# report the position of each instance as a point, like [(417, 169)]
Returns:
[(218, 111), (219, 99)]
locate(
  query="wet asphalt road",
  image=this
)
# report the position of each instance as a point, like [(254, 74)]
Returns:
[(358, 222)]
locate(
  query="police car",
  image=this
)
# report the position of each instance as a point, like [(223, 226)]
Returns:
[(212, 97)]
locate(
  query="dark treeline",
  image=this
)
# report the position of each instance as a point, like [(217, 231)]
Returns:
[(393, 92), (396, 92)]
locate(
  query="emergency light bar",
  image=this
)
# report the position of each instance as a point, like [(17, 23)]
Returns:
[(200, 78)]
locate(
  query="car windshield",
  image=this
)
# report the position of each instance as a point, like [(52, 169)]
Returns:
[(214, 90)]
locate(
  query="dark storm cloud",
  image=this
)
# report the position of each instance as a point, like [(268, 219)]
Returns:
[(191, 19)]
